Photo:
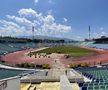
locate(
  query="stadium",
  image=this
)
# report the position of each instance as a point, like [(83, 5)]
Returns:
[(58, 67), (53, 45)]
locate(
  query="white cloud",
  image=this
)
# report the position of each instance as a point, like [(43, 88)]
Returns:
[(21, 20), (49, 19), (44, 25), (30, 13), (50, 26), (12, 29), (6, 23), (65, 20), (103, 33), (36, 1), (98, 35), (27, 12)]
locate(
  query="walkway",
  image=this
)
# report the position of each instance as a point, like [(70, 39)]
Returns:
[(58, 68)]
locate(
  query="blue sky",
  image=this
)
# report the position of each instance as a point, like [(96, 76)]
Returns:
[(57, 18)]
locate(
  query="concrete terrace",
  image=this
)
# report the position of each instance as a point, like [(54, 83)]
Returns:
[(53, 75)]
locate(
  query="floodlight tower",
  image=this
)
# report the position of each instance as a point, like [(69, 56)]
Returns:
[(33, 28), (89, 32)]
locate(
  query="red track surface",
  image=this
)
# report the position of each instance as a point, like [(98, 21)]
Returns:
[(20, 57), (101, 56)]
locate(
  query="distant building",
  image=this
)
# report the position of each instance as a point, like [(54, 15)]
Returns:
[(102, 39)]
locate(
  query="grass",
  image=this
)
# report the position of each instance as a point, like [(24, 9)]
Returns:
[(70, 50)]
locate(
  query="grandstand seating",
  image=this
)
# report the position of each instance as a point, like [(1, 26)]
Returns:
[(12, 47), (99, 77), (2, 52), (6, 73)]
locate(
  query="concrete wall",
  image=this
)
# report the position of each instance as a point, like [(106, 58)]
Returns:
[(12, 83), (64, 83)]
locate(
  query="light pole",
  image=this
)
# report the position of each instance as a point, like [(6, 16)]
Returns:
[(33, 28), (89, 32)]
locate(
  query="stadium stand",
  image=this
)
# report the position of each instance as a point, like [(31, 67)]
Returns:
[(9, 73), (12, 47), (98, 76)]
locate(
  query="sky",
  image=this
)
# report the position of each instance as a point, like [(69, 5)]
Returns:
[(55, 18)]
